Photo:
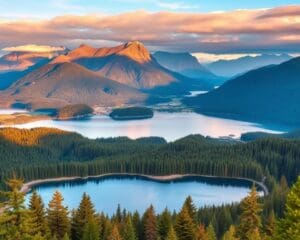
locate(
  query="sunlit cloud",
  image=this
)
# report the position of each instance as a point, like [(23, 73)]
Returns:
[(34, 48), (219, 32), (209, 57)]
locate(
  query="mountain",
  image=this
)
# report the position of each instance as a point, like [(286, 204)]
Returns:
[(20, 61), (229, 68), (60, 84), (270, 94), (187, 65), (8, 78), (130, 64)]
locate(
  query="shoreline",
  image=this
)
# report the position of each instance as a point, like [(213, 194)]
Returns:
[(165, 178)]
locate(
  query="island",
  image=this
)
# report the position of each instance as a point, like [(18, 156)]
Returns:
[(74, 111), (131, 113)]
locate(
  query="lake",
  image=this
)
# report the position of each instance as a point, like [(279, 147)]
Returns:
[(137, 193), (170, 126)]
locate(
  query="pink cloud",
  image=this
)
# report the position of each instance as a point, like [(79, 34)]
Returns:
[(181, 31)]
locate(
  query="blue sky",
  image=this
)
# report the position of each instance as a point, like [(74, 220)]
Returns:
[(13, 9)]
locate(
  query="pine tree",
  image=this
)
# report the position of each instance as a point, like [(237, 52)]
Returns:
[(250, 220), (114, 235), (171, 234), (201, 233), (128, 232), (91, 230), (85, 213), (191, 208), (288, 228), (185, 228), (138, 226), (211, 234), (14, 221), (150, 225), (230, 234), (37, 215), (164, 224), (57, 216), (270, 225)]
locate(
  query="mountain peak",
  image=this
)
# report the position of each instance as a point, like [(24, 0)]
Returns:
[(136, 51)]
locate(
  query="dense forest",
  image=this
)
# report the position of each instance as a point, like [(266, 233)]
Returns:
[(131, 113), (57, 222), (44, 153)]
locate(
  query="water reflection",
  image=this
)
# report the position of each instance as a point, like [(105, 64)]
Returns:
[(171, 126)]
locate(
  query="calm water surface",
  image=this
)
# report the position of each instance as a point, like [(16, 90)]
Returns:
[(170, 126), (135, 193)]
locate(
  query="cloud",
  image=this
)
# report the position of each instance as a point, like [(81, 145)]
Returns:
[(235, 31), (33, 48), (175, 5), (207, 57)]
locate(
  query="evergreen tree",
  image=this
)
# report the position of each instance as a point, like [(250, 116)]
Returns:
[(14, 221), (171, 234), (164, 224), (57, 216), (91, 230), (211, 235), (114, 235), (82, 216), (270, 225), (138, 226), (250, 220), (191, 208), (201, 233), (185, 228), (128, 232), (150, 225), (230, 234), (288, 227), (37, 214)]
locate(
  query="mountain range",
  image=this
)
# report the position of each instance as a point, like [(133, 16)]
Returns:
[(187, 65), (270, 94), (113, 76), (230, 68), (20, 61)]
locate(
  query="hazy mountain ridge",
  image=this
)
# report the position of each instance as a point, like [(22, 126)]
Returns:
[(270, 94), (230, 68), (20, 61), (187, 65)]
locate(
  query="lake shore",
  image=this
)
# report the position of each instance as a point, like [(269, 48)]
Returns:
[(20, 118), (165, 178)]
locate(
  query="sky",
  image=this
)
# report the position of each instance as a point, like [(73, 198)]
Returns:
[(197, 26)]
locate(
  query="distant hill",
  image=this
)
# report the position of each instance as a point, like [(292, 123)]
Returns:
[(187, 65), (8, 78), (20, 61), (230, 68), (60, 84), (269, 94), (252, 136)]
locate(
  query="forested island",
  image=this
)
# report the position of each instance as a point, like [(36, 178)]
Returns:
[(74, 111), (49, 153), (131, 113)]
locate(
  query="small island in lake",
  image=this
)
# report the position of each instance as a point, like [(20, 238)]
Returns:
[(131, 113), (74, 111)]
